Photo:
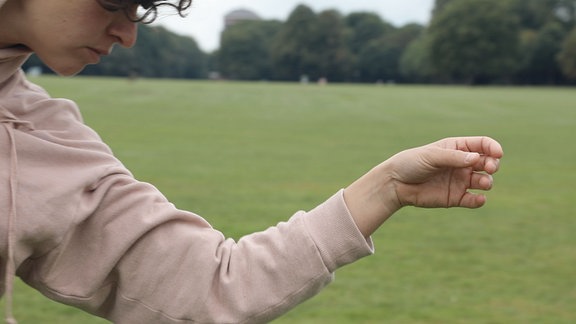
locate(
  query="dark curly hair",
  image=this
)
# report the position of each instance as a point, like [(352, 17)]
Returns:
[(150, 7)]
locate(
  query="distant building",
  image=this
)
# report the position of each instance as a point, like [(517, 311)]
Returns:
[(239, 15)]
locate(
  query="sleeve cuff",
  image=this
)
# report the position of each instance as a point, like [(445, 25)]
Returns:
[(335, 233)]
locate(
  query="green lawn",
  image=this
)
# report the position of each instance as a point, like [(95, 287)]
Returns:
[(247, 155)]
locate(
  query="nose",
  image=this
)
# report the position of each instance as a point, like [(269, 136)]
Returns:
[(124, 30)]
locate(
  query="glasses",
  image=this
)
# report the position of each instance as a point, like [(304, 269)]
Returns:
[(115, 5), (129, 7)]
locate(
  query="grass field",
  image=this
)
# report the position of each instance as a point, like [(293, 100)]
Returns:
[(247, 155)]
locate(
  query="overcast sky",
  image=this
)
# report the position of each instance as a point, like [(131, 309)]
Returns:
[(205, 20)]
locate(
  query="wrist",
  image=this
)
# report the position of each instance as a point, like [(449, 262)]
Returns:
[(372, 199)]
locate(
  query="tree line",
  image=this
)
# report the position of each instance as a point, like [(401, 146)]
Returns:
[(467, 41)]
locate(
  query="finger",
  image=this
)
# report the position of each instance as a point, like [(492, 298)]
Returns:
[(491, 165), (472, 200), (481, 181), (487, 164)]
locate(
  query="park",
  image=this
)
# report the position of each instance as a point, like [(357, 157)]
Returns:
[(246, 155)]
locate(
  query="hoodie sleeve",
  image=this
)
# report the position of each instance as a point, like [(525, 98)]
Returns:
[(90, 235), (137, 259)]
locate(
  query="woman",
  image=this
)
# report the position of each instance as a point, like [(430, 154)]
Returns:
[(77, 226)]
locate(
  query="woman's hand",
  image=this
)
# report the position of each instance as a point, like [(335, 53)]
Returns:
[(440, 174)]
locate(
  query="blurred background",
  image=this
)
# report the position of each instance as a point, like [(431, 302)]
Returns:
[(417, 41)]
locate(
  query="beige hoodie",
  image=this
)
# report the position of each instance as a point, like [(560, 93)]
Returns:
[(76, 225)]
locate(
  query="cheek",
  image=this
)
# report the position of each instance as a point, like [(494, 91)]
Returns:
[(77, 27), (60, 41), (64, 57)]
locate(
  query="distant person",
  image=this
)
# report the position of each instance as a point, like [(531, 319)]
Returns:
[(76, 225)]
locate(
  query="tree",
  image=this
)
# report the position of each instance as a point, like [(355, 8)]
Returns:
[(567, 56), (566, 12), (245, 50), (539, 51), (364, 27), (329, 50), (291, 56), (439, 6), (415, 64), (545, 24), (379, 60), (311, 45), (474, 40), (535, 14)]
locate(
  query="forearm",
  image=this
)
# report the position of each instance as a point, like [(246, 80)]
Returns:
[(372, 199)]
